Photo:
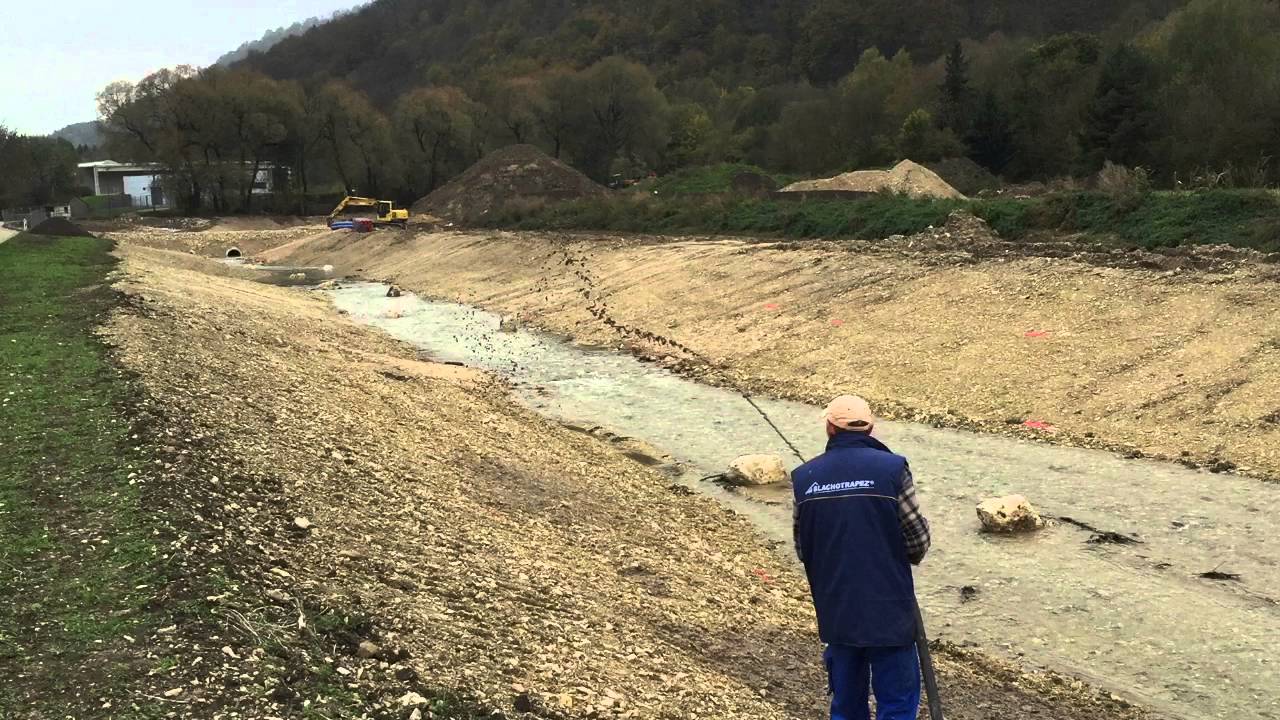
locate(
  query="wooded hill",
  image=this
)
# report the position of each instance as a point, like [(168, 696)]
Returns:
[(400, 95), (394, 45)]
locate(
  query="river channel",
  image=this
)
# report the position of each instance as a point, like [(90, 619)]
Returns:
[(1137, 618)]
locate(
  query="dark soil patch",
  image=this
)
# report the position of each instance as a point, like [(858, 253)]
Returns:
[(59, 227), (964, 175)]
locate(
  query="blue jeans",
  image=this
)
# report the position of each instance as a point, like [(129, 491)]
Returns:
[(893, 673)]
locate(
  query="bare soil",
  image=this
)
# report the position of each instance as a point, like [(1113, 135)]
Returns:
[(906, 177), (59, 227), (511, 175), (214, 241), (484, 550), (1167, 355)]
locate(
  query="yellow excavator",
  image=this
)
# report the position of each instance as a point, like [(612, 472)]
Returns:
[(384, 212)]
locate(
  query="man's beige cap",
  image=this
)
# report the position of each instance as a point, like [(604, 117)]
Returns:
[(850, 412)]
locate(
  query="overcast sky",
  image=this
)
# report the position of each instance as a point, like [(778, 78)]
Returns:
[(56, 56)]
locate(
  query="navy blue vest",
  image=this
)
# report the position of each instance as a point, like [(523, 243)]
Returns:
[(849, 535)]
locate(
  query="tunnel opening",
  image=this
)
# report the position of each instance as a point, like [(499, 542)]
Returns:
[(233, 252)]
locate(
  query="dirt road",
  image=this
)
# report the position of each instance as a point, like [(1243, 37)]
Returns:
[(528, 566), (1180, 364)]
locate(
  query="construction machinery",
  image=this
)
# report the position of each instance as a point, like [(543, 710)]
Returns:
[(383, 213)]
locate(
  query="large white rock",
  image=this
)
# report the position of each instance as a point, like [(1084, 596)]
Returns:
[(757, 470), (1009, 514)]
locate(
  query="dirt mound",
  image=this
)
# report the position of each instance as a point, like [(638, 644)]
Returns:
[(906, 177), (964, 175), (514, 174), (61, 227), (962, 231), (753, 183)]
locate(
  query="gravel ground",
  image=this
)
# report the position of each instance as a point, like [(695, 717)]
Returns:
[(481, 549), (1172, 356), (215, 240)]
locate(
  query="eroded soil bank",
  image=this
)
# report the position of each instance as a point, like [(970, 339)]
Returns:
[(533, 568), (1116, 590), (1179, 364)]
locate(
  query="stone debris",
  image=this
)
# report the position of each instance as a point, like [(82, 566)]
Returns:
[(368, 649), (1010, 514), (762, 469), (411, 699), (394, 291)]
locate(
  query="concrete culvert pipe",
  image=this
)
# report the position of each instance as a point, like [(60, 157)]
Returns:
[(233, 252)]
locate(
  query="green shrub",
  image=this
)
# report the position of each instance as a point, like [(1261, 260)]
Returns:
[(703, 180), (1245, 218)]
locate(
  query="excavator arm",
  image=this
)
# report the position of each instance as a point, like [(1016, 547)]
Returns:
[(385, 212), (352, 202)]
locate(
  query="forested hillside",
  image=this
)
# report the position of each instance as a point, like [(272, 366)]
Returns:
[(85, 134), (392, 45), (399, 96), (270, 38)]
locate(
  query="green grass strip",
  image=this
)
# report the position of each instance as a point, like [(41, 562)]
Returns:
[(74, 547)]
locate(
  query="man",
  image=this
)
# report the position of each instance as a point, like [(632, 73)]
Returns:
[(858, 530)]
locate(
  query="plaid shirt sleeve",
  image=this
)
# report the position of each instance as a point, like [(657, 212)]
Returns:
[(915, 527), (795, 530)]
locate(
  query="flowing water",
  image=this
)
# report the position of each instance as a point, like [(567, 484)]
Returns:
[(1135, 618)]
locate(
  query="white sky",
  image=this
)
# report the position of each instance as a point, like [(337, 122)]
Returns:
[(56, 56)]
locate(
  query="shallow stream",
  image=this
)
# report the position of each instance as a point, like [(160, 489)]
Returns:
[(1137, 619)]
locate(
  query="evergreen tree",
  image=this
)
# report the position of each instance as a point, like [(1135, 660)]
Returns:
[(1120, 118), (991, 135), (955, 113)]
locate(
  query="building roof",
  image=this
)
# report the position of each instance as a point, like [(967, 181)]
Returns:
[(119, 166)]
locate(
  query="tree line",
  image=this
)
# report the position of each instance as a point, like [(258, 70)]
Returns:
[(1194, 98), (215, 129), (35, 170)]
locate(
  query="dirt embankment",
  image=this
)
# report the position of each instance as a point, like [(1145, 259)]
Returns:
[(482, 548), (1182, 364), (247, 236)]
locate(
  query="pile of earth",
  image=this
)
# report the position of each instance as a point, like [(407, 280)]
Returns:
[(753, 183), (906, 177), (513, 175), (964, 175), (60, 227)]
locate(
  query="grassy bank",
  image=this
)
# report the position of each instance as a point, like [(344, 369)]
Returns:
[(131, 590), (1244, 218), (77, 555)]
